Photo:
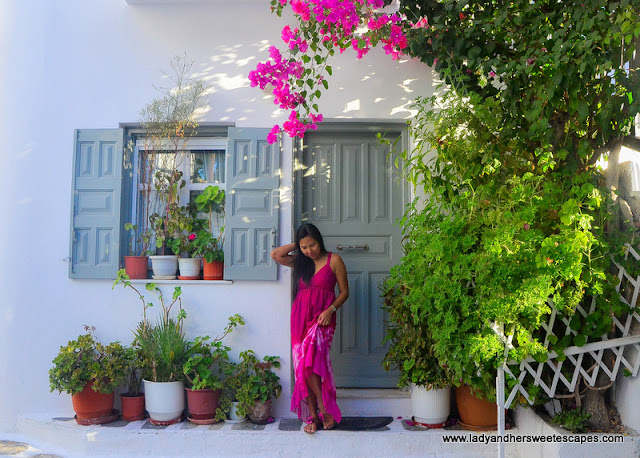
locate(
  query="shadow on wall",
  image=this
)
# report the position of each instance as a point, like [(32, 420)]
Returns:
[(227, 42)]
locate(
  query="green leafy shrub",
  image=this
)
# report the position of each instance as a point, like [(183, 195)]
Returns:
[(135, 369), (209, 246), (249, 381), (204, 369), (574, 420), (84, 360), (411, 345), (499, 235)]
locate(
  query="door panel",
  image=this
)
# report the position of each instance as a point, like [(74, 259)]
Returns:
[(352, 192)]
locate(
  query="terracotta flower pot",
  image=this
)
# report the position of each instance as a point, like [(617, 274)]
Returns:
[(213, 270), (136, 267), (202, 404), (475, 413), (89, 404), (260, 412), (132, 407)]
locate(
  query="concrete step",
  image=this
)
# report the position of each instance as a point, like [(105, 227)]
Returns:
[(63, 437), (374, 402), (281, 438)]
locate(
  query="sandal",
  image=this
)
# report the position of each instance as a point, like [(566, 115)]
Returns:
[(312, 426), (327, 424)]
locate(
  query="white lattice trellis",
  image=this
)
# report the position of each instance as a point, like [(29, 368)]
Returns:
[(531, 370)]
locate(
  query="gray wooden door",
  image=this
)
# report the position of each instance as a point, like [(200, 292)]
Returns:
[(354, 195)]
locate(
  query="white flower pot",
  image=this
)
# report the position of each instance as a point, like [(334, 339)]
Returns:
[(233, 415), (164, 400), (164, 267), (431, 407), (189, 267)]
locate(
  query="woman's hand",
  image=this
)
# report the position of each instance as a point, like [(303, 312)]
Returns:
[(324, 319)]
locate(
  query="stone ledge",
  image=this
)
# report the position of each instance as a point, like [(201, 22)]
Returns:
[(223, 439)]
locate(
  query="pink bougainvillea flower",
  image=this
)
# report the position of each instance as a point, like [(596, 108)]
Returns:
[(192, 236), (492, 74), (301, 8), (287, 34), (272, 137), (530, 61)]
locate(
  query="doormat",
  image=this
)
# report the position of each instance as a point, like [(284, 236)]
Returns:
[(362, 423)]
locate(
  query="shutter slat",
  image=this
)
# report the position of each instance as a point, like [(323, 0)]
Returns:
[(252, 205), (95, 205)]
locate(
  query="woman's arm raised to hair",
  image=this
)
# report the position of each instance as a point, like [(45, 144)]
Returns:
[(281, 254)]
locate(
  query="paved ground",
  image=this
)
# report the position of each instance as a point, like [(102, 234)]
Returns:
[(13, 448)]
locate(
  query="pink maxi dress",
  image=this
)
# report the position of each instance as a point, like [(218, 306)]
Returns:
[(311, 342)]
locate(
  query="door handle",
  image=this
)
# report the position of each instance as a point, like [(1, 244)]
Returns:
[(364, 247)]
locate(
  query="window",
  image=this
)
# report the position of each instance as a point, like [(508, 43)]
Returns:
[(202, 165), (107, 190)]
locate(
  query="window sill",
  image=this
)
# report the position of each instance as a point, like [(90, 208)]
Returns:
[(184, 282)]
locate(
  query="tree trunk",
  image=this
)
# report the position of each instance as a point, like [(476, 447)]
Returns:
[(594, 403)]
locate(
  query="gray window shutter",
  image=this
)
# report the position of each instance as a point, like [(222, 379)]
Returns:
[(95, 206), (252, 204)]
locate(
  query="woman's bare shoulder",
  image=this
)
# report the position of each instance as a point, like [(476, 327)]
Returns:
[(336, 260)]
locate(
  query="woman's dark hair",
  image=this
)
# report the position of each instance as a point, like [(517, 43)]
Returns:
[(304, 267)]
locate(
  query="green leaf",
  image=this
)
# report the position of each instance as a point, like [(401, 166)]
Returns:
[(580, 340)]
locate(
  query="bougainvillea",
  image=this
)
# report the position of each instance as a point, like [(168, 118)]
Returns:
[(297, 75)]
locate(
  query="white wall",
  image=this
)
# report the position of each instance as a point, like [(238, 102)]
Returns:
[(91, 64)]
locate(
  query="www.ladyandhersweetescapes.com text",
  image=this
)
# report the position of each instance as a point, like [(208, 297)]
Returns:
[(532, 438)]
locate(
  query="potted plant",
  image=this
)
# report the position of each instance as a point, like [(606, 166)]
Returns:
[(132, 402), (189, 265), (235, 376), (169, 121), (137, 265), (411, 352), (90, 372), (168, 225), (203, 371), (164, 350), (208, 245), (259, 386)]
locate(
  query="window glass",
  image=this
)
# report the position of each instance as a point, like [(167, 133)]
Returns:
[(207, 166), (201, 166)]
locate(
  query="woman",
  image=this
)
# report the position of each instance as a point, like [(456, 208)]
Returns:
[(313, 322)]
